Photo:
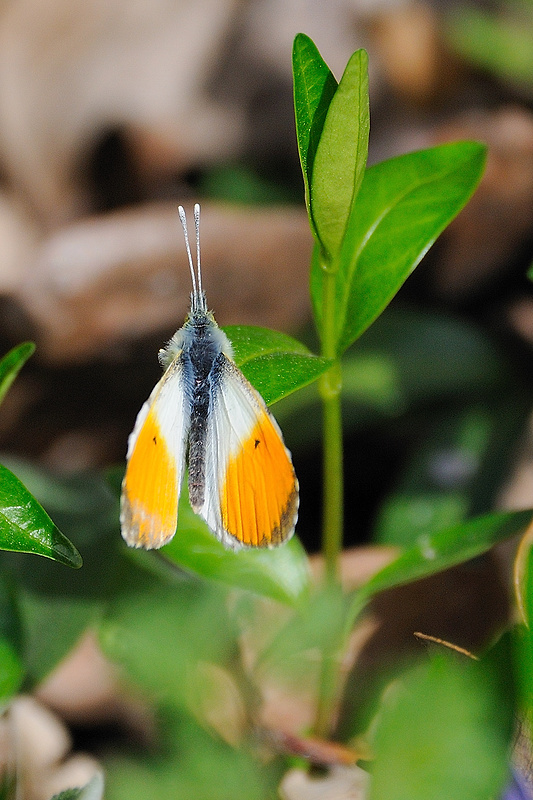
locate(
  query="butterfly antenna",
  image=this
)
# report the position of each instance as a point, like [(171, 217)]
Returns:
[(194, 296), (198, 267)]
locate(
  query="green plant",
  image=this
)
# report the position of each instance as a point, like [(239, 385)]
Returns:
[(175, 621), (25, 527)]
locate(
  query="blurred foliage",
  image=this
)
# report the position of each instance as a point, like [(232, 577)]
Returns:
[(197, 632), (190, 763), (237, 183), (497, 39), (465, 753)]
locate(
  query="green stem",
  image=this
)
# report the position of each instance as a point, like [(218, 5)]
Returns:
[(332, 520), (330, 391)]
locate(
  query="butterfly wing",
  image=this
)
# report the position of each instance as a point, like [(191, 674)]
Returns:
[(251, 491), (155, 463)]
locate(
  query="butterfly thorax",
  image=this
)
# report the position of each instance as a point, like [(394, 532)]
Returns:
[(199, 336), (203, 343)]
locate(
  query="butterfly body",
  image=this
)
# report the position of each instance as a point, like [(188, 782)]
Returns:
[(241, 478), (201, 348)]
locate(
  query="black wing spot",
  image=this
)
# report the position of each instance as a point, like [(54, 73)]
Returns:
[(257, 443), (154, 439)]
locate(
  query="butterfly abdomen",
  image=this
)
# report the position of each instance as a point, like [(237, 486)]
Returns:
[(201, 354), (197, 435)]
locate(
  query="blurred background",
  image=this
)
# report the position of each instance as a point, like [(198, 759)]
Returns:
[(112, 113)]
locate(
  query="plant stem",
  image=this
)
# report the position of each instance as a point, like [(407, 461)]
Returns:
[(330, 391), (331, 534), (332, 519)]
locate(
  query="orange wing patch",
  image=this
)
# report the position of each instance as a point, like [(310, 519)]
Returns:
[(150, 490), (259, 498)]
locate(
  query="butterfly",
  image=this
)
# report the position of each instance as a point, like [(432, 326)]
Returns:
[(240, 475)]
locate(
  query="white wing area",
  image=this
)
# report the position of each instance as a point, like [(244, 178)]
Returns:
[(155, 463)]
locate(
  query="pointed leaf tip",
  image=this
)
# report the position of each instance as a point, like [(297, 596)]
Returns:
[(25, 527)]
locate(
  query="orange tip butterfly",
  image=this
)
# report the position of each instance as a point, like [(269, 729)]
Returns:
[(241, 478)]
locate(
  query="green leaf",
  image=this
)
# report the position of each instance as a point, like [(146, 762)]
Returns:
[(251, 341), (281, 573), (437, 551), (275, 363), (523, 671), (11, 365), (314, 87), (94, 790), (25, 527), (444, 732), (523, 634), (402, 206), (341, 154)]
